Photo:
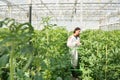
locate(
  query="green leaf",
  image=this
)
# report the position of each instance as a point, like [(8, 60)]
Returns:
[(4, 60)]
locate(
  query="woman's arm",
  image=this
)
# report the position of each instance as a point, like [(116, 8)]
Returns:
[(71, 42), (78, 41)]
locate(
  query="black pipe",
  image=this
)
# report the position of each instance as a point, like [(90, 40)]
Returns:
[(30, 14)]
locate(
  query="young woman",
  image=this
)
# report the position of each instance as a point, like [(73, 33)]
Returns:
[(73, 43)]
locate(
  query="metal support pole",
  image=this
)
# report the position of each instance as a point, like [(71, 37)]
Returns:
[(10, 11), (81, 14), (30, 13)]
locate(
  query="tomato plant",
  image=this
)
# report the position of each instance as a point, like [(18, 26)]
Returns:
[(31, 54)]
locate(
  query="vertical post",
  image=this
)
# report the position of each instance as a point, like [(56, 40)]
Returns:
[(10, 11), (107, 22), (81, 15), (30, 11), (30, 16)]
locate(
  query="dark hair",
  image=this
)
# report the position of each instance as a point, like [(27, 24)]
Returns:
[(77, 28)]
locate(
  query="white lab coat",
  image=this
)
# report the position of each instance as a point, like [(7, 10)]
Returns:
[(72, 44)]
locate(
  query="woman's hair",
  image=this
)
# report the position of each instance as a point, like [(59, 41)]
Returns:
[(77, 28)]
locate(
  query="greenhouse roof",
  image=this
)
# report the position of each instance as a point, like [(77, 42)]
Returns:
[(61, 10)]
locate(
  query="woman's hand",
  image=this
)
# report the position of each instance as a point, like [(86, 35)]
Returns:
[(78, 43)]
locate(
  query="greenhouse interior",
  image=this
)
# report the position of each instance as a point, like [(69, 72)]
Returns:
[(35, 37), (88, 14)]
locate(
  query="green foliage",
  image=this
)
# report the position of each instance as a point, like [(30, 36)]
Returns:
[(11, 40), (100, 55), (51, 50), (35, 55), (28, 54)]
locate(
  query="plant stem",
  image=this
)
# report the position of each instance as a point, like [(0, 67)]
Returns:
[(106, 64), (28, 63), (12, 63)]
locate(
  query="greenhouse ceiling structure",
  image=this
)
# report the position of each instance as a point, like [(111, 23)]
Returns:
[(87, 14)]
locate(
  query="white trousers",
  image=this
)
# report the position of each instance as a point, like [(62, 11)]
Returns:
[(74, 57)]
